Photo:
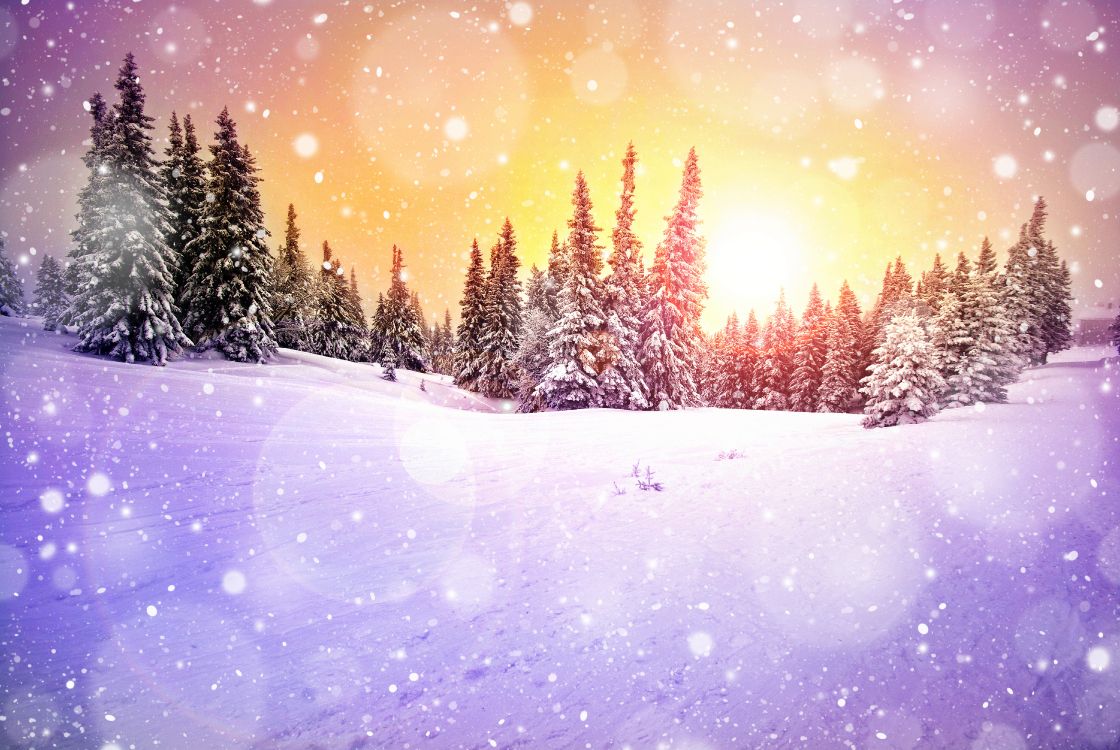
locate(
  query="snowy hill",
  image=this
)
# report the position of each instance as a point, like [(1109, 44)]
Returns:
[(303, 555)]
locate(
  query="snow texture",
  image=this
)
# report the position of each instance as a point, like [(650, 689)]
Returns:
[(303, 555)]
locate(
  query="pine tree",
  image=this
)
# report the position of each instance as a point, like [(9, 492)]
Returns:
[(842, 369), (184, 183), (227, 295), (1026, 290), (124, 304), (468, 349), (11, 289), (501, 320), (50, 293), (671, 339), (622, 384), (1114, 331), (557, 274), (579, 352), (336, 331), (934, 282), (94, 199), (401, 325), (775, 363), (741, 385), (905, 384), (719, 383), (811, 350), (293, 290)]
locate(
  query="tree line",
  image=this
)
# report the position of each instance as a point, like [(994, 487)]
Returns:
[(173, 254)]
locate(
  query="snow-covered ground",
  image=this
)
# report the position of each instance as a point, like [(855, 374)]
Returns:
[(305, 556)]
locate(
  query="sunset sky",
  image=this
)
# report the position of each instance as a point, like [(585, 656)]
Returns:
[(832, 134)]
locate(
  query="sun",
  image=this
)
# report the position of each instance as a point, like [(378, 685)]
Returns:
[(751, 256)]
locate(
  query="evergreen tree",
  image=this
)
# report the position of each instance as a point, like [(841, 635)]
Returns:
[(741, 385), (501, 320), (336, 332), (401, 327), (719, 383), (123, 306), (621, 382), (671, 339), (468, 349), (775, 363), (841, 372), (1025, 296), (184, 183), (94, 200), (50, 293), (293, 290), (557, 274), (934, 282), (227, 295), (810, 352), (579, 353), (1114, 331), (11, 289), (905, 384)]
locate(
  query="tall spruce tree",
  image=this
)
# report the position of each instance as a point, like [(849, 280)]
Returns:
[(501, 320), (810, 352), (1114, 333), (671, 338), (557, 273), (184, 182), (293, 290), (1025, 294), (11, 289), (841, 372), (468, 347), (622, 383), (579, 352), (934, 282), (93, 201), (50, 293), (124, 304), (227, 295), (336, 331), (775, 362), (401, 326), (904, 385)]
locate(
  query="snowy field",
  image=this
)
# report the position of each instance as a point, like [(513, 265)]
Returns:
[(301, 555)]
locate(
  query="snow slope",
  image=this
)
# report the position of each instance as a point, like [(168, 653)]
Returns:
[(305, 556)]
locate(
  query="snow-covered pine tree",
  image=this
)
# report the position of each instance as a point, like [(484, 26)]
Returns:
[(402, 329), (227, 295), (622, 384), (1057, 319), (468, 348), (934, 282), (124, 304), (50, 293), (996, 365), (447, 351), (389, 364), (897, 287), (418, 314), (953, 339), (532, 351), (670, 336), (841, 372), (810, 352), (336, 332), (1114, 332), (184, 182), (720, 380), (501, 320), (1025, 297), (376, 345), (557, 274), (775, 362), (578, 352), (11, 288), (905, 383), (93, 201), (741, 385), (293, 290)]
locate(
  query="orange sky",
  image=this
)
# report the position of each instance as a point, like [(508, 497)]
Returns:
[(832, 135)]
